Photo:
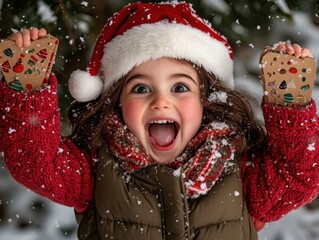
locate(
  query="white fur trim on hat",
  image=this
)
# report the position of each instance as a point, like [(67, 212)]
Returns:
[(164, 39), (84, 87)]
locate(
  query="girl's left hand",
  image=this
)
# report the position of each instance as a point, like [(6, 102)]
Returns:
[(294, 49), (24, 37)]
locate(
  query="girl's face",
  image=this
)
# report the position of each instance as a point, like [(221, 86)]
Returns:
[(161, 106)]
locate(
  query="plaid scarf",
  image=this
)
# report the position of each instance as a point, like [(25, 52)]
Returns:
[(206, 156)]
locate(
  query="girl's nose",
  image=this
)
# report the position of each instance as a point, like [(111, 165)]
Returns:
[(160, 101)]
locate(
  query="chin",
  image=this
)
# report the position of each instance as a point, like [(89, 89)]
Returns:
[(162, 161), (164, 158)]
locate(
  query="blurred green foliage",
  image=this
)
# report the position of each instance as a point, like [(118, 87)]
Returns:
[(77, 23)]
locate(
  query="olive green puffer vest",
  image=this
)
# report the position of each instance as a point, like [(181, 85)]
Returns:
[(151, 204)]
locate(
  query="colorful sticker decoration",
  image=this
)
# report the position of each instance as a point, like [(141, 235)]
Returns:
[(291, 84), (283, 85), (16, 85), (293, 70), (300, 99), (272, 84), (43, 53), (29, 86), (282, 71), (28, 68), (273, 92), (305, 87), (33, 60), (19, 67), (6, 66), (288, 98), (8, 52), (288, 79), (28, 71)]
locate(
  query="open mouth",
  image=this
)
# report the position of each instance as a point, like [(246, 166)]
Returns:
[(162, 133)]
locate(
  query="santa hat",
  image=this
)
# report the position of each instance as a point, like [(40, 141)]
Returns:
[(146, 31)]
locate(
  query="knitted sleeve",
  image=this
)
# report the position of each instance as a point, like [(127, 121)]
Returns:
[(285, 175), (34, 151)]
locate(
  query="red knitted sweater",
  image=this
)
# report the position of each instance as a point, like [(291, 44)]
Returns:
[(284, 176)]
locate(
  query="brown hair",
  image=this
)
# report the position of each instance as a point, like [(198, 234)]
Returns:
[(88, 119), (235, 111)]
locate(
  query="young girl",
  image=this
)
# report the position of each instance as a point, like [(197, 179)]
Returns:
[(163, 147)]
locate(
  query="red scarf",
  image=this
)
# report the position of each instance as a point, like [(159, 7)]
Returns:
[(210, 152)]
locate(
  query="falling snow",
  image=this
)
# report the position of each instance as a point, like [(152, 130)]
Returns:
[(311, 147), (84, 3), (177, 172), (45, 12), (219, 125), (236, 193), (218, 97), (11, 130), (203, 186), (62, 216)]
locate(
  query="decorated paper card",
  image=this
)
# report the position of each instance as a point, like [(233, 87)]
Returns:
[(27, 68), (287, 80)]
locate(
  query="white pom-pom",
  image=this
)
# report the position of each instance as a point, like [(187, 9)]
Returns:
[(84, 87)]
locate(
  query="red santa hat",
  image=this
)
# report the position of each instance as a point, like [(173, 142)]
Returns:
[(147, 31)]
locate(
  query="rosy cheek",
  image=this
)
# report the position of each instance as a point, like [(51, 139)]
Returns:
[(131, 111), (192, 108)]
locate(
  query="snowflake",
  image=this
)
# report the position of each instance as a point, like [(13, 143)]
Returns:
[(177, 172), (311, 147), (11, 130), (84, 3), (218, 97), (219, 125), (203, 186)]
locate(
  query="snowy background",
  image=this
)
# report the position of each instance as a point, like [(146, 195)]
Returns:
[(26, 216)]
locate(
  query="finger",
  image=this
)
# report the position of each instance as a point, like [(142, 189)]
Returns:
[(297, 50), (282, 47), (26, 40), (34, 33), (290, 50), (42, 32), (17, 37), (305, 52)]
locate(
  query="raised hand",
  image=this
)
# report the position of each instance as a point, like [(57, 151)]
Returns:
[(24, 37), (293, 49), (288, 73)]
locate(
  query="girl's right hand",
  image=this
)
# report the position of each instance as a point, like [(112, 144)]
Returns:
[(295, 49), (24, 37)]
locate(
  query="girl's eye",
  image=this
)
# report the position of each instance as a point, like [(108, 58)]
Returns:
[(141, 89), (180, 88)]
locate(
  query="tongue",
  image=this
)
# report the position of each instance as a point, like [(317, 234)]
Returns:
[(162, 134)]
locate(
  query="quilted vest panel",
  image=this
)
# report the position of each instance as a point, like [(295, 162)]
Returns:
[(151, 204)]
